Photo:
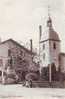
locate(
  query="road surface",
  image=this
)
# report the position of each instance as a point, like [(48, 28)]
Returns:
[(9, 91)]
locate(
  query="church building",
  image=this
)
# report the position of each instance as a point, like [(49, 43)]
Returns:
[(50, 47)]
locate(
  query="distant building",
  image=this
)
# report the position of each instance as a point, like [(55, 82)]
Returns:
[(50, 48)]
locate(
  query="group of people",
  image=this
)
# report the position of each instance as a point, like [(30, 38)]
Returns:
[(28, 83)]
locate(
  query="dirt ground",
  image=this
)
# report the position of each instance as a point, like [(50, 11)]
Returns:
[(19, 92)]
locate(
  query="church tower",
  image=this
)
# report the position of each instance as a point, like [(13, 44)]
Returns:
[(49, 46)]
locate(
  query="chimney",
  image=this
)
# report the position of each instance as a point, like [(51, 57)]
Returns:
[(31, 45), (40, 31)]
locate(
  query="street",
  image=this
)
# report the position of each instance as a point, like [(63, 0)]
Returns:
[(9, 91)]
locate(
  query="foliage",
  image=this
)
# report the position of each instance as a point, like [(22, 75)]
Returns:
[(10, 81), (34, 67), (45, 73), (31, 76)]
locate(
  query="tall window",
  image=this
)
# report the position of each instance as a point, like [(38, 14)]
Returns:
[(43, 46), (54, 45), (43, 56), (9, 52)]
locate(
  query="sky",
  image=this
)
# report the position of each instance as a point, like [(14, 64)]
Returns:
[(20, 19)]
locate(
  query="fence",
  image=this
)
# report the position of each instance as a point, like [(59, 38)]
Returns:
[(46, 84)]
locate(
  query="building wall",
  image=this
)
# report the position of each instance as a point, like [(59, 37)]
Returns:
[(3, 55), (15, 52), (44, 61), (62, 63), (15, 49), (51, 54), (54, 53)]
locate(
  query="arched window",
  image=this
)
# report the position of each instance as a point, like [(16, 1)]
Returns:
[(54, 45)]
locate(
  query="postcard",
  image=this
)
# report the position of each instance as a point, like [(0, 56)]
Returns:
[(32, 49)]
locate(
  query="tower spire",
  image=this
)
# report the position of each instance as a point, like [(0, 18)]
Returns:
[(48, 11), (49, 21)]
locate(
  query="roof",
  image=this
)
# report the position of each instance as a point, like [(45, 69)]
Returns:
[(49, 32), (52, 34), (27, 50)]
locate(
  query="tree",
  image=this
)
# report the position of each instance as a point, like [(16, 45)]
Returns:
[(45, 73), (31, 76)]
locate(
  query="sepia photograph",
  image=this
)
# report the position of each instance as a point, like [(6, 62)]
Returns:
[(32, 49)]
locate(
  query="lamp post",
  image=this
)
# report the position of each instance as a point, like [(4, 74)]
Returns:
[(50, 68), (2, 75), (40, 34)]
